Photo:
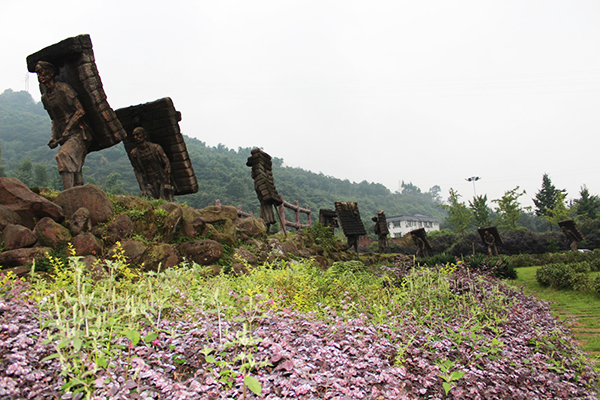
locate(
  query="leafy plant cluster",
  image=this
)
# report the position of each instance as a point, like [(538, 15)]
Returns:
[(285, 329), (573, 276)]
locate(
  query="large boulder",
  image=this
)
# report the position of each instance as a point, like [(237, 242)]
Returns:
[(88, 196), (203, 252), (80, 221), (243, 254), (161, 257), (133, 251), (214, 214), (87, 244), (192, 223), (14, 258), (17, 237), (119, 229), (250, 228), (8, 216), (52, 234), (171, 223), (28, 205)]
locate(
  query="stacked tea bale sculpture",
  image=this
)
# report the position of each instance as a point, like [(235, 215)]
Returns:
[(328, 218), (264, 185), (352, 226), (420, 239), (381, 230), (157, 150), (73, 96), (490, 237), (572, 232)]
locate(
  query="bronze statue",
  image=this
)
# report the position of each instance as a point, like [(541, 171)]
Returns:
[(264, 185), (420, 239), (352, 225), (70, 129), (161, 120), (152, 167), (381, 230), (328, 218), (73, 96), (491, 238), (572, 232)]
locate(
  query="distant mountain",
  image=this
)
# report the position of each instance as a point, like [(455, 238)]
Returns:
[(222, 172)]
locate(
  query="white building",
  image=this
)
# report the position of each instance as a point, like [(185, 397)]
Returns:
[(401, 225)]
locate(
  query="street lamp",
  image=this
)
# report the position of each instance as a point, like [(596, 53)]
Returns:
[(473, 179)]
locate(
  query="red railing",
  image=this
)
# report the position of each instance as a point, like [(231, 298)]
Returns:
[(281, 210), (297, 210)]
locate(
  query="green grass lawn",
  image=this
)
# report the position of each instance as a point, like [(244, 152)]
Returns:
[(579, 309)]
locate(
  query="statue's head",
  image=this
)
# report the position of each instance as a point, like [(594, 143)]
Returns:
[(45, 71), (139, 134)]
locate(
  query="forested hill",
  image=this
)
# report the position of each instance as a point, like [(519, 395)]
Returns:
[(222, 172)]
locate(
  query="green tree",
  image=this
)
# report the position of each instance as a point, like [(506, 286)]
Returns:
[(586, 207), (545, 199), (41, 177), (509, 209), (559, 210), (1, 166), (113, 184), (24, 172), (481, 211), (459, 215)]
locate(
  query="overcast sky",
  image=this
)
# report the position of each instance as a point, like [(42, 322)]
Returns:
[(429, 92)]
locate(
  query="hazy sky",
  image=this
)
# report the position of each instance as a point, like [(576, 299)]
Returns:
[(429, 92)]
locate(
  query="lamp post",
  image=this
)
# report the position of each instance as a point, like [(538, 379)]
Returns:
[(473, 179)]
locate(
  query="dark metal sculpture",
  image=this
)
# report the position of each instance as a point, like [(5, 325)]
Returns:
[(490, 238), (352, 226), (160, 120), (420, 239), (152, 167), (264, 185), (572, 232), (381, 230), (328, 218), (72, 93)]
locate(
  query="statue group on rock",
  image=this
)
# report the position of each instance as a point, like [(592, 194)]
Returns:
[(83, 121)]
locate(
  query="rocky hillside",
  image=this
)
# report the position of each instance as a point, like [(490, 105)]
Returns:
[(149, 234)]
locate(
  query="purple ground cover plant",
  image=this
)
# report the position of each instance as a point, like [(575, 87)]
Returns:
[(467, 336)]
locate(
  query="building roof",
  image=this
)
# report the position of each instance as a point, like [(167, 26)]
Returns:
[(417, 217)]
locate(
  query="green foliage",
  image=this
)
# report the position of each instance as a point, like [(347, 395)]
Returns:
[(509, 210), (322, 236), (546, 199), (459, 215), (481, 211), (574, 276), (559, 210), (586, 207)]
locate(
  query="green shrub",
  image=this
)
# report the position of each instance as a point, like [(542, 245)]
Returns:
[(440, 259), (596, 284), (582, 282), (558, 276)]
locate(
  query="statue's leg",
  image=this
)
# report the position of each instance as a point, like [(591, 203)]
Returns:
[(78, 179), (68, 179)]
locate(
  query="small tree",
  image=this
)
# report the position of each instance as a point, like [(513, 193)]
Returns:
[(509, 210), (546, 199), (586, 207), (41, 177), (24, 172), (459, 215), (558, 212), (481, 211)]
